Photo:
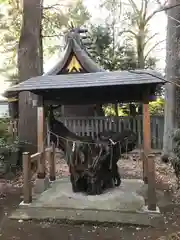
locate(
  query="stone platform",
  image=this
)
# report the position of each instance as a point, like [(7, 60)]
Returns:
[(119, 205)]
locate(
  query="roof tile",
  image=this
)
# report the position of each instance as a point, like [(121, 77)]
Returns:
[(98, 79)]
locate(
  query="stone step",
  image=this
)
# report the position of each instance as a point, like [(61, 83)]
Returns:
[(89, 216)]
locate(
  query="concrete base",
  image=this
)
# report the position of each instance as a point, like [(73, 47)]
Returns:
[(41, 185), (118, 205), (88, 216)]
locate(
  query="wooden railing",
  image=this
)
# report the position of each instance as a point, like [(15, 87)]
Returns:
[(91, 126), (41, 158)]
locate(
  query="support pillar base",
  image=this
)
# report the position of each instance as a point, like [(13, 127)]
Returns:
[(145, 179), (41, 185)]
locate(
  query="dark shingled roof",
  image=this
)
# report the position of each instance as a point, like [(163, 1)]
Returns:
[(99, 79), (72, 46)]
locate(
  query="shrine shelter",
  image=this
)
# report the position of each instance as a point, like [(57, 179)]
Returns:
[(94, 87)]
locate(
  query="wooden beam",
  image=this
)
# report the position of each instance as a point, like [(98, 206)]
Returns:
[(40, 128), (27, 186), (151, 183), (40, 138), (146, 127), (146, 137), (41, 166), (50, 157)]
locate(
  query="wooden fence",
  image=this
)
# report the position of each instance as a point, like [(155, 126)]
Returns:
[(91, 126)]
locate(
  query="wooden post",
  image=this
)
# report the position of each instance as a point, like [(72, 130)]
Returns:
[(40, 139), (51, 160), (143, 159), (41, 166), (48, 134), (146, 138), (151, 183), (40, 126), (27, 186)]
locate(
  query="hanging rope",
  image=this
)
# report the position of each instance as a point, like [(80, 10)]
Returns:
[(73, 155)]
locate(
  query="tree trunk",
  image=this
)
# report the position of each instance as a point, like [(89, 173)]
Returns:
[(29, 65), (140, 49), (172, 93)]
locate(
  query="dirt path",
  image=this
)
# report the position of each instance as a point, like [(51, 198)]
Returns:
[(12, 229)]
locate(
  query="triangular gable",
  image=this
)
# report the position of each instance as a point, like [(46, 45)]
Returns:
[(75, 59), (74, 65)]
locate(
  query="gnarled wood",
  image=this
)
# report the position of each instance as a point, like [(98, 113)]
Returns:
[(92, 163)]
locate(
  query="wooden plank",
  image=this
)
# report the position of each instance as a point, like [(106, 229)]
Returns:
[(74, 125), (35, 157), (161, 127), (27, 186), (92, 129), (101, 125), (153, 133), (50, 157), (143, 159), (159, 136), (83, 125), (40, 138), (48, 134), (78, 127), (139, 131), (96, 127), (40, 128), (146, 128), (106, 124), (146, 136), (41, 166), (151, 183), (87, 128)]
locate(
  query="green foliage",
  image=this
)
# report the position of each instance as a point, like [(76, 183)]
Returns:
[(8, 145), (120, 56), (56, 20), (10, 25), (157, 107), (4, 130), (130, 21), (78, 14), (109, 110), (109, 56), (117, 57)]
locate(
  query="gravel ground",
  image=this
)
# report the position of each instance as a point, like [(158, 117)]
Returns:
[(11, 229)]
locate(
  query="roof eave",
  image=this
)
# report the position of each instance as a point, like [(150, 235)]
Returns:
[(61, 63)]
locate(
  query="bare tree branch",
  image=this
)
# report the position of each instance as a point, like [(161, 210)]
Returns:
[(134, 6), (54, 6), (150, 38), (145, 8), (153, 47), (128, 31), (174, 20), (161, 9), (51, 36)]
